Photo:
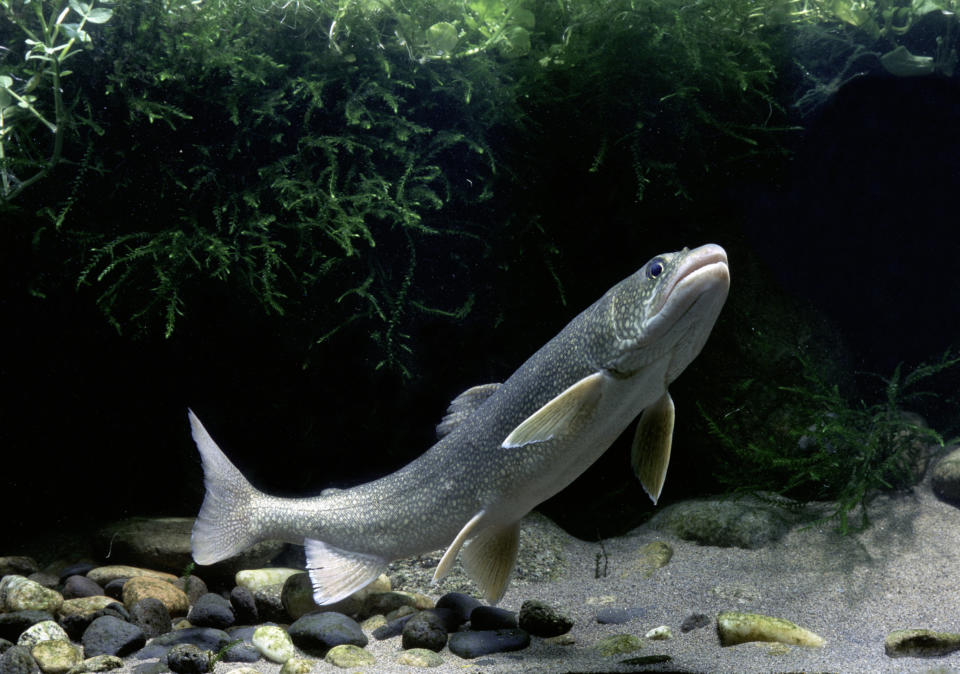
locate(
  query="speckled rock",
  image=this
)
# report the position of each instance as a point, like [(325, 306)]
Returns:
[(141, 587), (945, 477), (274, 643), (542, 620), (55, 656), (80, 586), (618, 644), (13, 624), (111, 636), (192, 586), (244, 605), (206, 638), (348, 655), (920, 644), (104, 574), (17, 565), (17, 660), (425, 630), (269, 603), (188, 659), (743, 523), (99, 663), (492, 618), (319, 632), (297, 666), (22, 594), (257, 579), (42, 631), (85, 606), (151, 616), (211, 610), (419, 657), (472, 644), (737, 628)]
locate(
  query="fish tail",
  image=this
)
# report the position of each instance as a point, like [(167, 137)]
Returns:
[(224, 526)]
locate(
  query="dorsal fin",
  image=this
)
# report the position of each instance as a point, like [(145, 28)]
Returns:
[(463, 406)]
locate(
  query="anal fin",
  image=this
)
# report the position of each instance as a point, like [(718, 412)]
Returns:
[(489, 559), (336, 573), (651, 445), (446, 562)]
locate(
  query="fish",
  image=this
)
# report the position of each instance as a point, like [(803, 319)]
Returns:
[(502, 448)]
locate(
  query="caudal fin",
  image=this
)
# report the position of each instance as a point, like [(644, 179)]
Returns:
[(224, 526)]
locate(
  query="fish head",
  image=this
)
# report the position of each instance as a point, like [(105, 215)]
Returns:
[(665, 310)]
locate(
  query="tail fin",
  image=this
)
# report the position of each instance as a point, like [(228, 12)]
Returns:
[(224, 526)]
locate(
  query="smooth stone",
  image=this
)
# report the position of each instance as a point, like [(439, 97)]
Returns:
[(206, 638), (188, 659), (945, 476), (151, 668), (192, 586), (141, 587), (115, 588), (694, 621), (111, 636), (383, 603), (211, 610), (81, 568), (742, 523), (471, 645), (244, 605), (348, 655), (920, 643), (737, 628), (18, 660), (241, 652), (151, 616), (425, 630), (22, 594), (662, 633), (618, 616), (393, 628), (297, 666), (542, 620), (42, 631), (257, 579), (618, 644), (650, 557), (419, 657), (55, 656), (273, 643), (80, 586), (85, 606), (269, 603), (98, 663), (13, 624), (319, 632), (373, 623), (492, 618), (17, 565), (463, 604), (102, 575), (48, 580)]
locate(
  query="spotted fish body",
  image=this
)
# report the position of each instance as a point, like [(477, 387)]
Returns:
[(504, 448)]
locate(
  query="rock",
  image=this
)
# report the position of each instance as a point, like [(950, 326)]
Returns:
[(743, 523), (297, 597), (297, 666), (382, 603), (111, 636), (151, 668), (244, 670), (737, 628), (419, 657), (319, 632), (694, 621), (81, 568), (17, 566), (662, 633), (192, 586), (114, 588), (542, 620), (188, 659), (13, 624), (492, 618), (81, 586), (244, 606), (48, 580), (471, 644), (425, 630), (42, 631), (945, 477), (463, 604), (740, 593), (257, 579), (205, 638), (21, 594), (920, 643), (151, 616), (17, 660), (650, 557), (348, 655), (274, 643), (240, 652), (618, 616), (55, 656), (269, 603), (211, 610), (85, 606), (617, 644), (104, 574), (99, 663), (141, 587), (393, 628)]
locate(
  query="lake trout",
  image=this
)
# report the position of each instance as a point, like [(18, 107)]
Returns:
[(502, 448)]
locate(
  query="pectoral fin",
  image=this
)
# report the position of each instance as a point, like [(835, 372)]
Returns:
[(489, 559), (558, 415), (651, 445), (446, 562)]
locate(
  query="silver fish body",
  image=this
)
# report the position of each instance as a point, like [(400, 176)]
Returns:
[(504, 449)]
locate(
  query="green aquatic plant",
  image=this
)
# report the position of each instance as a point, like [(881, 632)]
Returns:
[(811, 442)]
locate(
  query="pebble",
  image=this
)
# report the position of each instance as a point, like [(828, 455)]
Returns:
[(17, 565), (618, 644), (244, 670), (188, 659), (151, 616), (111, 636), (211, 610), (383, 603), (17, 660), (85, 606), (542, 620), (98, 663), (258, 579), (649, 558), (463, 604), (151, 668), (76, 569), (394, 628), (241, 652), (737, 628), (48, 580), (269, 603), (492, 618), (42, 631), (244, 606), (419, 657), (945, 476), (192, 586), (22, 594), (618, 616), (694, 621), (662, 633), (54, 656), (104, 574), (207, 638), (297, 666), (115, 588), (297, 597), (920, 643), (12, 625), (471, 645), (348, 655), (425, 630), (319, 632), (141, 587), (273, 643), (80, 586)]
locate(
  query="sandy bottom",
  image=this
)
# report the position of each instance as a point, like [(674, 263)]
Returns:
[(903, 572)]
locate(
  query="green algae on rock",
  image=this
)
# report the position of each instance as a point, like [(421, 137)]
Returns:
[(737, 628), (618, 644)]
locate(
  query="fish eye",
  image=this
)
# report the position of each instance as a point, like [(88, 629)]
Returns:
[(655, 267)]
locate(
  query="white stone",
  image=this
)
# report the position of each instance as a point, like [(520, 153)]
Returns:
[(257, 579), (46, 630), (661, 633), (273, 643)]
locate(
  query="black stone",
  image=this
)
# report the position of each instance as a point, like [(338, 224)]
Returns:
[(244, 606), (78, 569), (463, 604), (241, 652), (270, 605), (151, 668), (394, 628), (492, 618), (17, 660), (188, 659), (151, 616), (425, 630), (75, 625), (206, 638), (114, 610), (618, 616), (211, 610), (694, 621), (317, 633), (192, 586), (5, 646), (13, 624), (108, 635), (115, 588), (474, 644), (80, 586), (48, 580), (543, 620)]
